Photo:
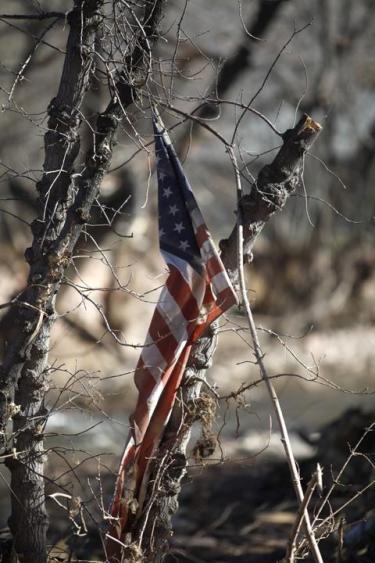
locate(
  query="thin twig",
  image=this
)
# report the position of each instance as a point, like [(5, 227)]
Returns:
[(259, 357), (344, 466)]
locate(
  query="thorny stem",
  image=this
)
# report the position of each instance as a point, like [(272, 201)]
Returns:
[(259, 357)]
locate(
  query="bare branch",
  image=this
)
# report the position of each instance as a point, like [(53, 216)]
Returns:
[(41, 16), (258, 353)]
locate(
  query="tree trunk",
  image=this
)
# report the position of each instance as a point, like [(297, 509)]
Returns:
[(64, 204), (24, 370)]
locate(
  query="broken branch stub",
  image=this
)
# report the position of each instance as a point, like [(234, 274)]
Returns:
[(270, 192)]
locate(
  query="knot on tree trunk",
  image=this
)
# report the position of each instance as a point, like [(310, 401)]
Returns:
[(62, 116)]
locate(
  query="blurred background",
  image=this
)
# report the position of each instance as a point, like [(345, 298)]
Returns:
[(312, 280)]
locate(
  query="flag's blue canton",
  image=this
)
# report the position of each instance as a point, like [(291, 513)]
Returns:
[(176, 233)]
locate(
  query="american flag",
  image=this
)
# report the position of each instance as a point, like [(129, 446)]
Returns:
[(197, 292)]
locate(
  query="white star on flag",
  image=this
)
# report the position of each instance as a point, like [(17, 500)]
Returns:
[(167, 192), (179, 227), (173, 209), (184, 245)]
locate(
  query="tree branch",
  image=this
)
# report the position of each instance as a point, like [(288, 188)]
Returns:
[(242, 59), (275, 183), (41, 16)]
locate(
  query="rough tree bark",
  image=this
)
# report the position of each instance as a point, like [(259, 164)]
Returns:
[(64, 204), (24, 369), (275, 183)]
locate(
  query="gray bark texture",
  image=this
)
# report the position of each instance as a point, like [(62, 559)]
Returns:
[(64, 204), (25, 368), (275, 183)]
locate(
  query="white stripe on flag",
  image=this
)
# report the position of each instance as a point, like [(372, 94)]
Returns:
[(220, 282), (171, 313), (153, 399), (196, 218), (191, 276), (207, 250), (153, 359)]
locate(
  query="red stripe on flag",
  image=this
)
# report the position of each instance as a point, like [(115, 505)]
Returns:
[(225, 299), (161, 414), (182, 294), (214, 266), (162, 336), (201, 234), (143, 378)]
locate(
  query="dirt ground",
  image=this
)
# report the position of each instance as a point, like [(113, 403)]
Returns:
[(243, 512)]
